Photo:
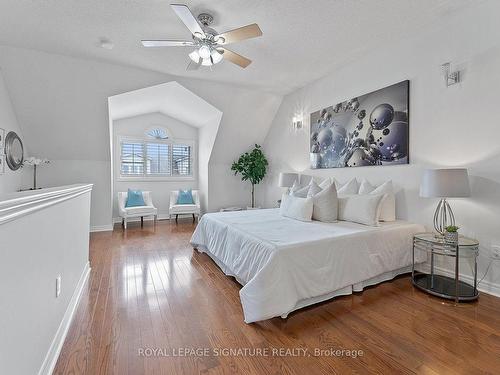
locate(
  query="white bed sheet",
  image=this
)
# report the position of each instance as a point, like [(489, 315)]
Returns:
[(283, 262)]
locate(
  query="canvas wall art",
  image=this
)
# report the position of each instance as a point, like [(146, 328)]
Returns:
[(368, 130)]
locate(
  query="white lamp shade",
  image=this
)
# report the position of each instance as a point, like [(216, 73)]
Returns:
[(445, 183), (287, 179)]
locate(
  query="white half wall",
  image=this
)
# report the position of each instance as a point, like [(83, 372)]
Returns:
[(449, 127), (10, 180)]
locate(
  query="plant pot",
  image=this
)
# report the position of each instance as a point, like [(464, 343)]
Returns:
[(451, 238)]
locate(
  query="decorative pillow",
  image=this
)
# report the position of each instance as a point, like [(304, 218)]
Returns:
[(314, 189), (325, 203), (296, 186), (134, 198), (362, 209), (327, 181), (296, 208), (348, 188), (388, 210), (300, 191), (185, 197)]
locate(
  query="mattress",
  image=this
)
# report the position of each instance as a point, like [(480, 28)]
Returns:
[(282, 263)]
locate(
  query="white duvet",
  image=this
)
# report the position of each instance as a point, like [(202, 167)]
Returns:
[(283, 262)]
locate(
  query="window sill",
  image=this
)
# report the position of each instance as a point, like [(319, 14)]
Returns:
[(155, 179)]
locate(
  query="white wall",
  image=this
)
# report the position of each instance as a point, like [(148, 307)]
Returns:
[(454, 126), (136, 127), (47, 238), (11, 180), (61, 103)]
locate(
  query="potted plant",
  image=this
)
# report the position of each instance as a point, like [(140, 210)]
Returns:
[(252, 166), (451, 234)]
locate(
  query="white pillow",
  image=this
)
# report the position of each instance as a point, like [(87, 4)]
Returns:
[(362, 209), (348, 188), (314, 189), (301, 191), (325, 203), (327, 181), (296, 208), (388, 210)]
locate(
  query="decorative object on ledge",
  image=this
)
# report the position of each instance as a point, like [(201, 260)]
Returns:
[(252, 166), (368, 130), (444, 183), (14, 151), (34, 162), (450, 77)]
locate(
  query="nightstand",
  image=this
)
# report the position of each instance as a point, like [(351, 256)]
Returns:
[(435, 281)]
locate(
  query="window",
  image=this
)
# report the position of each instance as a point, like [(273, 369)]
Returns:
[(155, 159)]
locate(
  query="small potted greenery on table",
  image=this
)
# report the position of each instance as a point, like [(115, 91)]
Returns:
[(451, 234)]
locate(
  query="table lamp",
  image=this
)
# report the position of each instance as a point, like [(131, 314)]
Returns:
[(287, 180), (444, 183)]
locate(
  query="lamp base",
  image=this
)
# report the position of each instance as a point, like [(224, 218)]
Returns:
[(443, 217)]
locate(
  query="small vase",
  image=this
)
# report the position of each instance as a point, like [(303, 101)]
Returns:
[(451, 238)]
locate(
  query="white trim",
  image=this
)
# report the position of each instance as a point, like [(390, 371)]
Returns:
[(16, 205), (55, 347), (146, 178), (101, 228), (485, 286)]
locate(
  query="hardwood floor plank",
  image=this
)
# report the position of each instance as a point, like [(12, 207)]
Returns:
[(148, 290)]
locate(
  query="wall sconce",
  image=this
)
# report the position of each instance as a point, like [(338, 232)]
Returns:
[(297, 123), (450, 77)]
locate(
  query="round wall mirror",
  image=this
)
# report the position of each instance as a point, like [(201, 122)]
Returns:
[(14, 152)]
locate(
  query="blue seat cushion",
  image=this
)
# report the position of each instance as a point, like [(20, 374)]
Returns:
[(185, 197), (134, 198)]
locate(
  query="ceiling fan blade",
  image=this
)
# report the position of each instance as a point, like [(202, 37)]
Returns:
[(188, 19), (167, 43), (236, 58), (242, 33)]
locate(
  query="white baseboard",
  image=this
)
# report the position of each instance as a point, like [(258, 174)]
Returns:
[(55, 347), (101, 228), (485, 286)]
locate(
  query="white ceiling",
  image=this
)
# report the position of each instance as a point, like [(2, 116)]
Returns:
[(171, 99), (303, 39)]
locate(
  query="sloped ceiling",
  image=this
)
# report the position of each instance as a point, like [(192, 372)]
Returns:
[(303, 39)]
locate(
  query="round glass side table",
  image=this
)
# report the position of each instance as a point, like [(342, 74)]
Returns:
[(434, 280)]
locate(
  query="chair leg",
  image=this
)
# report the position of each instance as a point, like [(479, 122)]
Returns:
[(125, 223), (194, 219), (142, 221), (155, 218), (176, 218)]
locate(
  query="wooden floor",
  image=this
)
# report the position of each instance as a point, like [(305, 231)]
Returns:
[(150, 297)]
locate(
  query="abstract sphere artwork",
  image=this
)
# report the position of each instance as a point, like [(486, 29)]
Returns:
[(368, 130)]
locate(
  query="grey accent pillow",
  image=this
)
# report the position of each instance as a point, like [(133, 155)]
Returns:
[(325, 203)]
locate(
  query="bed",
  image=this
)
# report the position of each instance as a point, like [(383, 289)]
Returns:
[(286, 264)]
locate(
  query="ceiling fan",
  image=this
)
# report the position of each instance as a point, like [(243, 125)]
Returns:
[(210, 46)]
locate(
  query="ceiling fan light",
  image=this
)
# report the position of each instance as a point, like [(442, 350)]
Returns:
[(206, 62), (204, 52), (195, 56), (216, 56)]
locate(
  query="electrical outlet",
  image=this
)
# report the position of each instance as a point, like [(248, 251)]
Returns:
[(58, 286), (495, 252)]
